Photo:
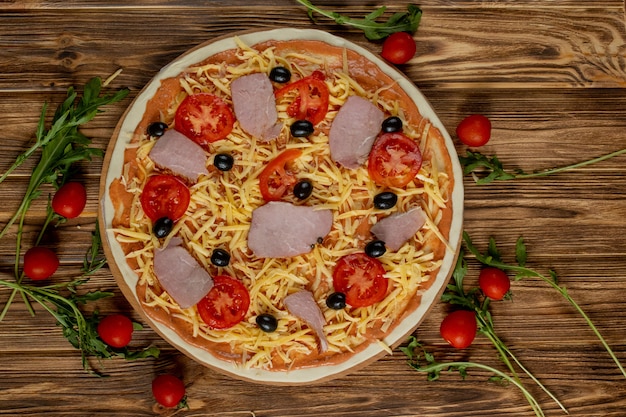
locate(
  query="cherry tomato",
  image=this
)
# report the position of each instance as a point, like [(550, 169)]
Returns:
[(361, 279), (165, 196), (226, 304), (204, 118), (310, 97), (459, 328), (40, 263), (116, 330), (168, 390), (474, 130), (275, 179), (399, 48), (70, 200), (394, 160), (494, 283)]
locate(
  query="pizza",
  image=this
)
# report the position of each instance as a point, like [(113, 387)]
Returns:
[(282, 204)]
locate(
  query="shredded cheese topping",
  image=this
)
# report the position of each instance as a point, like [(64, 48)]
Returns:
[(220, 211)]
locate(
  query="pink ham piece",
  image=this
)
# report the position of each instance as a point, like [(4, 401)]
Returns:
[(353, 131), (180, 155), (279, 229), (302, 305), (397, 228), (255, 106), (184, 279)]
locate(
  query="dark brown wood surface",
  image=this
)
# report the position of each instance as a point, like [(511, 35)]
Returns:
[(550, 75)]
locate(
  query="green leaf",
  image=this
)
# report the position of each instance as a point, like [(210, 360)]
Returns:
[(493, 251), (373, 30), (486, 169)]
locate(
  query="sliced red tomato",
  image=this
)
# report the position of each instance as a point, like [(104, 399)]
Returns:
[(310, 98), (165, 196), (394, 160), (204, 118), (275, 179), (361, 279), (226, 304)]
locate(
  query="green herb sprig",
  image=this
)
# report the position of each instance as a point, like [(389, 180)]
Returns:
[(473, 300), (398, 22), (63, 302), (61, 146), (485, 169), (423, 361), (492, 258)]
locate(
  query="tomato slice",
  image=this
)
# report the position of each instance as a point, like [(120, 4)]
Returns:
[(276, 178), (165, 196), (310, 98), (361, 279), (204, 118), (394, 160), (226, 304)]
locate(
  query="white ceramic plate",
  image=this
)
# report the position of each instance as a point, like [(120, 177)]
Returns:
[(127, 279)]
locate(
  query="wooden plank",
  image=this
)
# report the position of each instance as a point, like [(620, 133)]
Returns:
[(563, 52)]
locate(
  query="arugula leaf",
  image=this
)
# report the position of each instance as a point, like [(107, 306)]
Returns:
[(61, 145), (373, 30), (423, 361), (521, 271), (486, 169)]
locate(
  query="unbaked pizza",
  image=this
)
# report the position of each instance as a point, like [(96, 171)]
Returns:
[(283, 204)]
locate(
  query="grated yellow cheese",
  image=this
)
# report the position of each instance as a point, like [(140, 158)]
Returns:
[(222, 203)]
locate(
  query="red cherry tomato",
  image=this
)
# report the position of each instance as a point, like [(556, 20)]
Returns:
[(40, 263), (459, 328), (165, 196), (226, 304), (361, 278), (204, 118), (116, 330), (399, 48), (70, 200), (494, 283), (474, 130), (394, 160), (309, 95), (275, 179), (168, 390)]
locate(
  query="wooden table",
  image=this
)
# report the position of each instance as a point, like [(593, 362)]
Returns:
[(551, 76)]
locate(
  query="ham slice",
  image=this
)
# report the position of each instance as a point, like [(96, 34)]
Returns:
[(255, 106), (302, 305), (180, 155), (353, 131), (397, 228), (184, 279), (279, 229)]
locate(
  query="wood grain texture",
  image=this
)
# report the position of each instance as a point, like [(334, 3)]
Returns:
[(550, 75)]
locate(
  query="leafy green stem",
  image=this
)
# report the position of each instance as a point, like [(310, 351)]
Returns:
[(456, 294), (373, 30), (433, 369), (522, 271), (476, 163)]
